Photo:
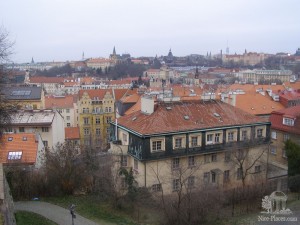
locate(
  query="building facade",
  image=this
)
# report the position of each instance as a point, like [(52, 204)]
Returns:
[(201, 142), (96, 111), (285, 126)]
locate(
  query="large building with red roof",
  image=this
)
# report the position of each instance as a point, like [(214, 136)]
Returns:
[(199, 137)]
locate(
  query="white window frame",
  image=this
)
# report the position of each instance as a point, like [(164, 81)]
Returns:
[(288, 121), (14, 155), (152, 141), (274, 135)]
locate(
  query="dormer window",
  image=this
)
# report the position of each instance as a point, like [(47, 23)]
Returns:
[(288, 121), (14, 155)]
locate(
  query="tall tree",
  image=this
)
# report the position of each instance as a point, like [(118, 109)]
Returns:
[(293, 154), (6, 109)]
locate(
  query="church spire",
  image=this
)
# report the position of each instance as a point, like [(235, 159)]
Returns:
[(114, 51), (32, 61)]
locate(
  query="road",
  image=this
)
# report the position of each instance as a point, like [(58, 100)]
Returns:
[(55, 213)]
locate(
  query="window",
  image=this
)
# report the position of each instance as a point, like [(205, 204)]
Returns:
[(45, 129), (45, 143), (194, 141), (227, 156), (175, 184), (98, 141), (286, 137), (226, 175), (239, 174), (86, 131), (209, 139), (274, 135), (136, 165), (21, 129), (68, 117), (85, 120), (85, 110), (109, 109), (217, 138), (124, 137), (156, 146), (206, 176), (207, 158), (10, 138), (108, 131), (191, 182), (213, 177), (175, 163), (259, 133), (178, 142), (214, 157), (191, 161), (9, 130), (68, 124), (284, 153), (257, 169), (98, 131), (156, 187), (108, 119), (273, 149), (14, 155), (288, 121), (86, 142), (97, 120), (67, 110), (244, 135), (230, 136), (124, 160)]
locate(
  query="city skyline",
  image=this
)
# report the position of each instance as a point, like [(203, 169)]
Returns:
[(60, 31)]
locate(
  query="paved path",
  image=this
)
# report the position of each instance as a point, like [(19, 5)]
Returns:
[(55, 213)]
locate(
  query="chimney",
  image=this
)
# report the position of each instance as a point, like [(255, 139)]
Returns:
[(147, 105)]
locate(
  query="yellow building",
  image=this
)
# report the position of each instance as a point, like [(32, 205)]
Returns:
[(96, 110), (25, 97)]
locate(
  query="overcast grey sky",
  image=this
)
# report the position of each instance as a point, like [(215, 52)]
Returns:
[(59, 30)]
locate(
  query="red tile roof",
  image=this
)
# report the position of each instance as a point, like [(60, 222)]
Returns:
[(28, 148), (257, 104), (122, 93), (72, 133), (276, 119), (40, 79), (200, 116), (59, 101)]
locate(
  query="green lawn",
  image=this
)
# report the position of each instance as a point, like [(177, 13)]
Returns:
[(26, 218), (93, 208)]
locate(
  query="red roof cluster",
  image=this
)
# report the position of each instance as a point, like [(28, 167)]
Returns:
[(186, 116), (293, 113)]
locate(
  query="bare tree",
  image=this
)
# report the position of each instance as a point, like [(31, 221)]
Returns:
[(248, 161), (189, 201), (6, 109)]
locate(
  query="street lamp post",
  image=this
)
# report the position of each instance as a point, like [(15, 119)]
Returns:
[(72, 211)]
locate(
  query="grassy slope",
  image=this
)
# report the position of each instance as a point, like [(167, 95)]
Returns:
[(25, 218), (93, 208)]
